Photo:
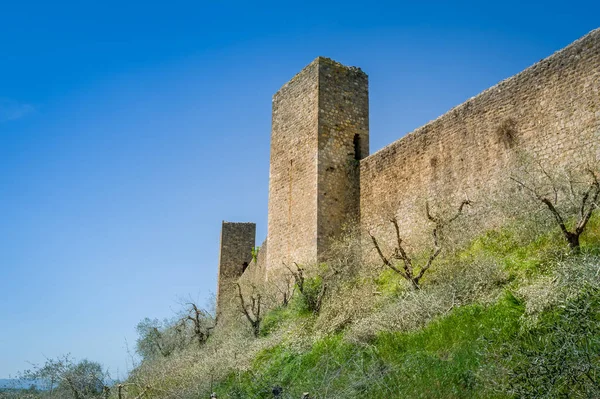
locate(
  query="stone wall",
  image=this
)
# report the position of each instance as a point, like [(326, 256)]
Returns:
[(292, 211), (550, 111), (343, 142), (319, 132), (237, 241), (321, 176)]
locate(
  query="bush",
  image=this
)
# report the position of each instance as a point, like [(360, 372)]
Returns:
[(439, 361), (559, 356), (463, 335), (281, 316)]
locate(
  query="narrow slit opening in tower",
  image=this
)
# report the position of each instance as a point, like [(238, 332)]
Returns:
[(357, 152), (244, 267)]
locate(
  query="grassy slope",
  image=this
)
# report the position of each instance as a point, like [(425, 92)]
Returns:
[(533, 333), (467, 353), (441, 360)]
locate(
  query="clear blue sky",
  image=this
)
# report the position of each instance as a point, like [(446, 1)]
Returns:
[(129, 130)]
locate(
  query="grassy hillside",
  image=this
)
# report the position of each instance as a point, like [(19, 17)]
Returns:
[(534, 333), (509, 313)]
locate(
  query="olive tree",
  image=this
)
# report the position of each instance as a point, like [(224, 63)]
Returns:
[(65, 378), (570, 196), (401, 262)]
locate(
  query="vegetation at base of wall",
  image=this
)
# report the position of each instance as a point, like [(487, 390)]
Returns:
[(282, 315), (558, 357), (476, 350), (511, 312), (439, 361), (510, 302)]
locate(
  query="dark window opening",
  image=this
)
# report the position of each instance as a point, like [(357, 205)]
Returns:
[(357, 152), (244, 266)]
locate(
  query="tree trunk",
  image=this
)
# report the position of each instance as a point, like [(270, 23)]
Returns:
[(573, 240)]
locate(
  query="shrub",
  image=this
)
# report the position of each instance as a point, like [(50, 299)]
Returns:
[(559, 356)]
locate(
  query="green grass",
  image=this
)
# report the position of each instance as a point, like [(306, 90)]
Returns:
[(440, 361), (520, 258), (526, 256), (455, 356), (590, 239), (388, 283), (559, 356), (478, 350), (295, 311), (448, 358)]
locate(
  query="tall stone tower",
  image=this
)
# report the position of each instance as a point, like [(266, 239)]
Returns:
[(237, 241), (320, 132)]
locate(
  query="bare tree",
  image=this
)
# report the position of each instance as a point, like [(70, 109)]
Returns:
[(313, 293), (251, 310), (407, 270), (202, 323), (192, 324), (298, 276), (285, 288), (581, 198), (161, 339)]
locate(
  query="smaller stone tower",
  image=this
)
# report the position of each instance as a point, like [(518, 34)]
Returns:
[(237, 241)]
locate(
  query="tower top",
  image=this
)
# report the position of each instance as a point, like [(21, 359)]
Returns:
[(319, 62)]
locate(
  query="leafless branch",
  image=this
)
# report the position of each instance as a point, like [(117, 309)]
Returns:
[(252, 312), (399, 253), (588, 203)]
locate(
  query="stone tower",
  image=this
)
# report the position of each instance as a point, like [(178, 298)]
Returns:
[(320, 132), (237, 241)]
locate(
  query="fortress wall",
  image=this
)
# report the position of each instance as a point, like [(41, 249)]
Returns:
[(292, 214), (237, 241), (319, 134), (551, 111), (343, 140)]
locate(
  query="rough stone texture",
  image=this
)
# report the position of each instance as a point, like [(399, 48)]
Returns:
[(318, 117), (237, 241), (319, 179), (292, 212), (551, 111), (343, 141)]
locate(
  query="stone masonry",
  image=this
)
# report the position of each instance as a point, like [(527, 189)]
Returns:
[(552, 109), (320, 132), (237, 241), (322, 176)]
